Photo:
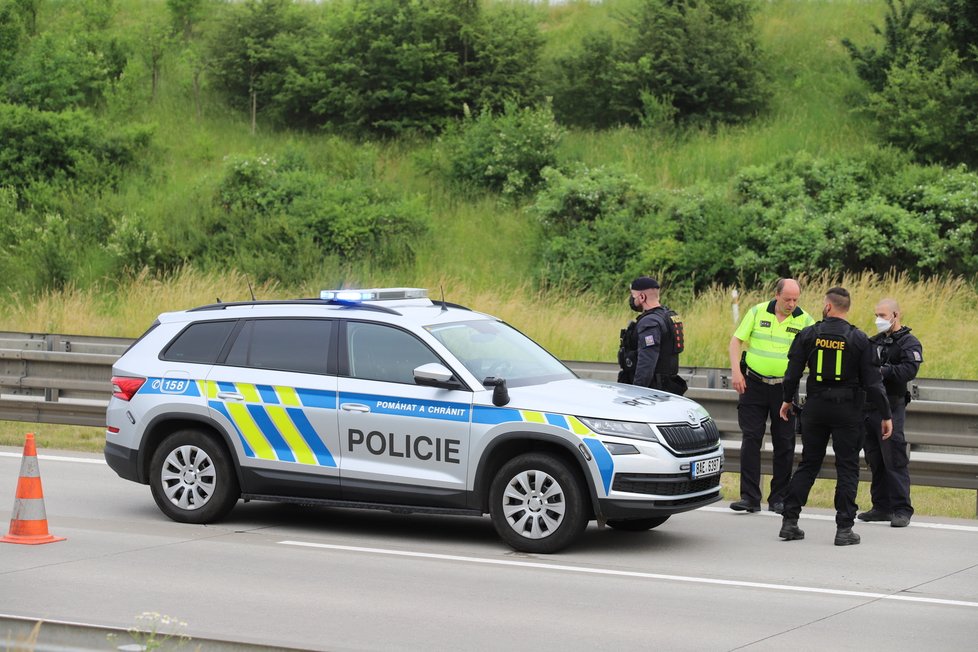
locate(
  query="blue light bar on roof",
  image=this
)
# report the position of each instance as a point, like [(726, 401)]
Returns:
[(374, 294)]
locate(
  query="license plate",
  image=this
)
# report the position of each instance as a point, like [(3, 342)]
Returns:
[(707, 467)]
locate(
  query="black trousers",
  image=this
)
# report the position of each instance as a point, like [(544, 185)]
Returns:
[(888, 460), (759, 404), (843, 422)]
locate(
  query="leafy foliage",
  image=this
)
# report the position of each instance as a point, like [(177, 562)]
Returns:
[(505, 152), (605, 229), (281, 220), (697, 58), (924, 80), (932, 112), (799, 215), (252, 50), (390, 67), (70, 145)]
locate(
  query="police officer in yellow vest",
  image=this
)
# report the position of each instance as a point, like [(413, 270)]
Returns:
[(768, 329), (841, 376)]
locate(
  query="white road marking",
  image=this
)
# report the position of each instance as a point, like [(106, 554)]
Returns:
[(636, 574), (831, 517), (718, 510), (59, 458)]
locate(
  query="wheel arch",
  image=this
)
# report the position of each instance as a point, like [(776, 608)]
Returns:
[(164, 426), (505, 447)]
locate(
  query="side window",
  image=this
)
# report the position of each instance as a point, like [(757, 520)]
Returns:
[(379, 352), (283, 344), (201, 342)]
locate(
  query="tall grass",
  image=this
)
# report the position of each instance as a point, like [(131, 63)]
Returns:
[(573, 326)]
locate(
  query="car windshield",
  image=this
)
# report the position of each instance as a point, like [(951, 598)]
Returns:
[(490, 348)]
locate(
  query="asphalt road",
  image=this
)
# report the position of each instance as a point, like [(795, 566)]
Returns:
[(331, 579)]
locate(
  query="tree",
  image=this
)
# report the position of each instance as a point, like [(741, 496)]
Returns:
[(154, 41), (11, 34), (903, 35), (184, 15), (390, 67), (28, 13), (697, 60), (924, 78), (251, 50)]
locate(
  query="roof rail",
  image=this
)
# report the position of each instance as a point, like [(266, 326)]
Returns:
[(308, 302)]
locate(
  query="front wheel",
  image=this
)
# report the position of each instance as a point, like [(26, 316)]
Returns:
[(638, 524), (192, 478), (538, 503)]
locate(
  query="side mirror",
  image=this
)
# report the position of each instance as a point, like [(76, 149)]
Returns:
[(500, 395), (435, 374)]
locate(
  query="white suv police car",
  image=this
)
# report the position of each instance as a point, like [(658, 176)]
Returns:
[(385, 399)]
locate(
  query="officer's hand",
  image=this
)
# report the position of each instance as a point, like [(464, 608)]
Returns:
[(887, 428), (785, 411), (739, 383)]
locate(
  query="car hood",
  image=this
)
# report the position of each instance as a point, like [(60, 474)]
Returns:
[(593, 398)]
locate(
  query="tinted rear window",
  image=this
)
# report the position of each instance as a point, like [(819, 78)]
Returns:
[(201, 342), (285, 344)]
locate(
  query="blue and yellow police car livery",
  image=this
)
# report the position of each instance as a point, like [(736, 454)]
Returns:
[(385, 399)]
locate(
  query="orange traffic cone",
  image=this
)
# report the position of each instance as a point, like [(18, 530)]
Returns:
[(28, 523)]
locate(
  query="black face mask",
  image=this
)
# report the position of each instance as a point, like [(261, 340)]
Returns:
[(634, 306)]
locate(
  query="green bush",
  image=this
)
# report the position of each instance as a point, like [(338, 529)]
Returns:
[(810, 215), (501, 62), (395, 67), (606, 228), (932, 112), (504, 152), (585, 194), (282, 220), (594, 87), (800, 215), (924, 78), (252, 53), (71, 145), (694, 60)]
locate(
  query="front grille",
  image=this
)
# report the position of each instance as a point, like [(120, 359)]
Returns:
[(684, 438), (670, 484)]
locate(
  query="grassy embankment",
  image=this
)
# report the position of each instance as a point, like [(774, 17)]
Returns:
[(482, 251)]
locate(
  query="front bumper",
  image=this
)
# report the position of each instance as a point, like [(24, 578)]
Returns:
[(622, 509)]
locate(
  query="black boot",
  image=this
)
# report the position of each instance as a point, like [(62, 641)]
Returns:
[(790, 530), (844, 536)]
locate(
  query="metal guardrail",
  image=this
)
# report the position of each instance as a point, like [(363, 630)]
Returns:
[(65, 379)]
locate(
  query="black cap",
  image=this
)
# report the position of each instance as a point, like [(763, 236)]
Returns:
[(645, 283)]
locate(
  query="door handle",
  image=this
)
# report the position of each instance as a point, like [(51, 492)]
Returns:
[(355, 407), (230, 396)]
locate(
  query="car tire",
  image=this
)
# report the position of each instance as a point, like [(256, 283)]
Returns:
[(538, 503), (192, 478), (637, 524)]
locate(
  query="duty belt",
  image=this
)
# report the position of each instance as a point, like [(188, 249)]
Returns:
[(767, 380)]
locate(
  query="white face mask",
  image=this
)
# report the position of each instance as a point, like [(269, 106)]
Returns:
[(882, 325)]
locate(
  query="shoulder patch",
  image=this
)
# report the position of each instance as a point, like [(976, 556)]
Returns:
[(650, 340), (917, 356)]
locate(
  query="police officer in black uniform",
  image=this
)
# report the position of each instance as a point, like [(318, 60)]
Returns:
[(649, 358), (899, 355), (841, 375)]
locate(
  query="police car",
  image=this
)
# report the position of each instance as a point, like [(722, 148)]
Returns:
[(385, 399)]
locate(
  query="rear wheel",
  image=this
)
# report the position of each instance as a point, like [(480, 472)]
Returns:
[(192, 478), (638, 524), (538, 503)]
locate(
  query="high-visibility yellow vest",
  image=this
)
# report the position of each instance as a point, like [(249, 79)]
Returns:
[(768, 339)]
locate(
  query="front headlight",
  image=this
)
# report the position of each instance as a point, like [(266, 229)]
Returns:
[(629, 429)]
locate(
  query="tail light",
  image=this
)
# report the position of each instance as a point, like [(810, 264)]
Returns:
[(125, 387)]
